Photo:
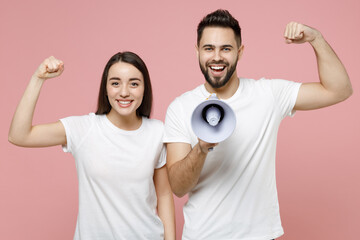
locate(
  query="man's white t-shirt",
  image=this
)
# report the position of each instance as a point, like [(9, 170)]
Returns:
[(117, 198), (236, 196)]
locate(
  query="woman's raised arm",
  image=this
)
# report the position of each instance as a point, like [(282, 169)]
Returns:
[(22, 132)]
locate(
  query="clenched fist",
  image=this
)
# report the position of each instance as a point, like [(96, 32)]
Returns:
[(49, 68), (300, 33)]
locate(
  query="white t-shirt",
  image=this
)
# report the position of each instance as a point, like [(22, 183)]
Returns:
[(117, 198), (236, 196)]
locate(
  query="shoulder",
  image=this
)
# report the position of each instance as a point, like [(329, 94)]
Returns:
[(274, 81), (255, 82), (154, 128), (247, 83), (90, 116), (266, 82), (188, 98), (82, 120), (190, 95), (153, 122), (262, 80)]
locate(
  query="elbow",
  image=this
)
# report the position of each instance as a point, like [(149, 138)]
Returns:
[(346, 94), (177, 187), (350, 92), (14, 141), (177, 190), (19, 137), (179, 194), (341, 95), (17, 141), (11, 138)]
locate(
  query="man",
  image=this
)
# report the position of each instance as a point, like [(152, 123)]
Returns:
[(232, 189)]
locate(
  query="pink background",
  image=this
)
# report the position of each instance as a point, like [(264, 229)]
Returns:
[(318, 151)]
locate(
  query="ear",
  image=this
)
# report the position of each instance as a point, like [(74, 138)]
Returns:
[(197, 51), (240, 51)]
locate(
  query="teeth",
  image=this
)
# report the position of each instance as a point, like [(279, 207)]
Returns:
[(217, 67), (124, 102)]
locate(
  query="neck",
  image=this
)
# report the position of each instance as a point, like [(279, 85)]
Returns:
[(127, 123), (226, 91)]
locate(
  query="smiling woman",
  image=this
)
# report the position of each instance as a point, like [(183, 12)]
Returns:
[(134, 61), (125, 89), (117, 175)]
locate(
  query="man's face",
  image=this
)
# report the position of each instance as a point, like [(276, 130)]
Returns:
[(218, 55)]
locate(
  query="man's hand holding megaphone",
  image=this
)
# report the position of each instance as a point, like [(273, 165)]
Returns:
[(212, 121), (206, 147)]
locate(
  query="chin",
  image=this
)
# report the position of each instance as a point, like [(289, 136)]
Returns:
[(217, 83)]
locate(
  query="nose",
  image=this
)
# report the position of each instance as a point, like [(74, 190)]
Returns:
[(217, 55), (124, 92)]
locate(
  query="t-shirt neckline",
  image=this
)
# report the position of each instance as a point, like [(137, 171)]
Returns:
[(206, 94), (122, 131)]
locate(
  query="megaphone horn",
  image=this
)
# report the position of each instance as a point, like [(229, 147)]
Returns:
[(213, 120), (213, 114)]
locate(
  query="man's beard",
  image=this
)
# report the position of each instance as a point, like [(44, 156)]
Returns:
[(217, 82)]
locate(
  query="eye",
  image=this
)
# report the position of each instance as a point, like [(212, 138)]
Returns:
[(227, 49), (134, 84), (114, 84)]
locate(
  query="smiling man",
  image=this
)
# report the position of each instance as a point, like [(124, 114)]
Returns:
[(232, 190)]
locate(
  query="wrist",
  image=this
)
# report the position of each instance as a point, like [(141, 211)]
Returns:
[(35, 78), (318, 39), (201, 150), (36, 81)]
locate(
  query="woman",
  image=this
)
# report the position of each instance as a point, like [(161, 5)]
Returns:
[(124, 191)]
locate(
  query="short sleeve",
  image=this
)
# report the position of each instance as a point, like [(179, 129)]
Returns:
[(285, 94), (175, 129), (162, 158), (76, 129)]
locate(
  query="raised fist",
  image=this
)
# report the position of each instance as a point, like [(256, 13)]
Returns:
[(300, 33), (49, 68)]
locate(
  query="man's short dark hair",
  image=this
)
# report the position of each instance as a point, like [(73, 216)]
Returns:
[(219, 18)]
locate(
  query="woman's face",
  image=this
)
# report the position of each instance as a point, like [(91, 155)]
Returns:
[(125, 88)]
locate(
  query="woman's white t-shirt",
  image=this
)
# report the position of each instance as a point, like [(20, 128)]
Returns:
[(117, 198)]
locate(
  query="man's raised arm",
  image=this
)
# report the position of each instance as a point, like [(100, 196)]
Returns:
[(334, 85)]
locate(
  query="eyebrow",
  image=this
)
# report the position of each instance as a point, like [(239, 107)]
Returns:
[(227, 45), (222, 46), (118, 79)]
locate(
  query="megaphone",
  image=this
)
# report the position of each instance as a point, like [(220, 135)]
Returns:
[(213, 120)]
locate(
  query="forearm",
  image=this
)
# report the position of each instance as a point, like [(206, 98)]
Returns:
[(332, 73), (166, 211), (184, 174), (22, 120)]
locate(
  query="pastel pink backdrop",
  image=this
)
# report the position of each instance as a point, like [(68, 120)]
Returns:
[(318, 151)]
